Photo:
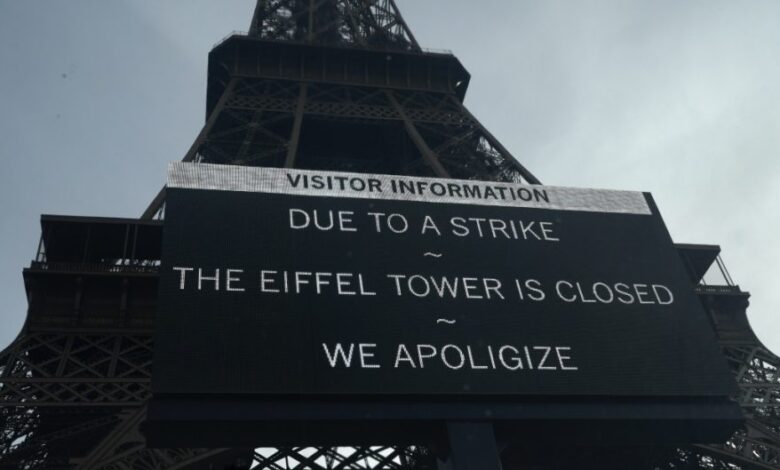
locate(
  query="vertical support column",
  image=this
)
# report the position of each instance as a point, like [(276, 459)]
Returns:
[(123, 302), (115, 352), (428, 155), (312, 9), (472, 447), (295, 135), (77, 301), (63, 363)]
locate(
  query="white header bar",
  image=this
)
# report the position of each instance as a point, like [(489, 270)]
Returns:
[(207, 176)]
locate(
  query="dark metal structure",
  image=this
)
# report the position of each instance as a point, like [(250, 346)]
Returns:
[(319, 84), (342, 85)]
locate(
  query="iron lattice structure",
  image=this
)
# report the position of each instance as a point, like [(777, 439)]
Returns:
[(368, 24), (319, 84)]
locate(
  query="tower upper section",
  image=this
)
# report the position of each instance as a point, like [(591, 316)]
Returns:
[(374, 24)]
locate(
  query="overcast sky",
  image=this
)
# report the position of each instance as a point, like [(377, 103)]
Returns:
[(680, 98)]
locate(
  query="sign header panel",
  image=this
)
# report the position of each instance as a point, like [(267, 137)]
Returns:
[(280, 281), (400, 188)]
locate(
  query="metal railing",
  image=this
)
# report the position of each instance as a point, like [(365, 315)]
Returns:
[(426, 50), (146, 267), (725, 276), (707, 289)]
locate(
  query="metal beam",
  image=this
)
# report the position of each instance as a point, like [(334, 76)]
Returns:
[(428, 155), (292, 149)]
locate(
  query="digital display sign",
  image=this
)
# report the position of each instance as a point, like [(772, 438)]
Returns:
[(294, 282)]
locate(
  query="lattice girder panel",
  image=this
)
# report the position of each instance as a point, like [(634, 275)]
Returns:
[(758, 444), (266, 123), (323, 100), (248, 138), (64, 369), (253, 127), (421, 102), (343, 458), (746, 449), (364, 23), (466, 152), (462, 145), (755, 369)]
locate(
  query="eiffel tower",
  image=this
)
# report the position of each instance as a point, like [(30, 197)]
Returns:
[(315, 84)]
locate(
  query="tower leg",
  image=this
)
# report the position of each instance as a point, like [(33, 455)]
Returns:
[(472, 447)]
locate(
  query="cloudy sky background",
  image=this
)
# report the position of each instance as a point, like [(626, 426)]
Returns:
[(680, 98)]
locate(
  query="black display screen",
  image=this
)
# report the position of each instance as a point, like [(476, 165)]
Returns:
[(306, 292)]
